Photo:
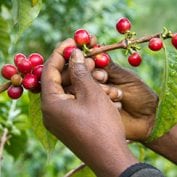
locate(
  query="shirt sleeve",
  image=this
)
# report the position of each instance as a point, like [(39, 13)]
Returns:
[(141, 170)]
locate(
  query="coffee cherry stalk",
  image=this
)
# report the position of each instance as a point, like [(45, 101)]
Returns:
[(26, 73)]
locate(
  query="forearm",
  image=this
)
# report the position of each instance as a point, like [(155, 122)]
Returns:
[(166, 145)]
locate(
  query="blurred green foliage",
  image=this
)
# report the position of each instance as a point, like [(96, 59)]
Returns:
[(58, 19)]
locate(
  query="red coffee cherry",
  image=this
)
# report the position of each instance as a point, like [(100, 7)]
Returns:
[(24, 66), (135, 59), (123, 25), (155, 44), (102, 60), (8, 71), (15, 92), (36, 59), (30, 81), (174, 40), (18, 57), (16, 80), (37, 71), (36, 89), (82, 37), (67, 52)]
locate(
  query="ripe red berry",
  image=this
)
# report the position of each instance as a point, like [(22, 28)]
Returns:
[(37, 71), (8, 71), (36, 59), (102, 60), (36, 89), (82, 37), (30, 81), (18, 57), (155, 44), (174, 40), (123, 25), (15, 92), (24, 66), (67, 52), (135, 59)]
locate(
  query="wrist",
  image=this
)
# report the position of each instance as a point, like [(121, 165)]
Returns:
[(113, 160)]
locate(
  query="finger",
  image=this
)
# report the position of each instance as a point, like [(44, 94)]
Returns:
[(118, 105), (119, 75), (100, 75), (51, 77), (115, 94), (80, 76), (90, 64)]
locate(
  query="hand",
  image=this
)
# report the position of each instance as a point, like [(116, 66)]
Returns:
[(139, 102), (87, 122)]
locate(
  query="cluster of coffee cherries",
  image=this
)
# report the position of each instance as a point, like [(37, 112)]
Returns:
[(26, 73), (83, 40), (123, 26)]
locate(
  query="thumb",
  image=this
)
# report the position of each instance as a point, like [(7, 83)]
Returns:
[(119, 75), (80, 76)]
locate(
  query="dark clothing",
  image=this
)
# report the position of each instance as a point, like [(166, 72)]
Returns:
[(141, 170)]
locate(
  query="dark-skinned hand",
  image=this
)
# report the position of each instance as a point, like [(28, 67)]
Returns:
[(87, 121), (138, 103)]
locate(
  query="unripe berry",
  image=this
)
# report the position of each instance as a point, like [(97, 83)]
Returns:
[(30, 81), (102, 60), (36, 59), (123, 25), (174, 40), (24, 66), (18, 57), (81, 37), (15, 92), (8, 71), (155, 44), (135, 59), (37, 71), (16, 80), (67, 52)]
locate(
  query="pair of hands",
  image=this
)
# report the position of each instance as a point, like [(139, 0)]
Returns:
[(86, 120)]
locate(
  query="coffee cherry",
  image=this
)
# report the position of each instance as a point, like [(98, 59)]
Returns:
[(36, 59), (8, 71), (15, 92), (30, 81), (37, 71), (24, 66), (134, 59), (155, 44), (16, 80), (174, 40), (36, 89), (81, 37), (102, 60), (123, 25), (18, 57), (67, 52)]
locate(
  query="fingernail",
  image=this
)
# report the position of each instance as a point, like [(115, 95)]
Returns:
[(100, 75), (77, 56)]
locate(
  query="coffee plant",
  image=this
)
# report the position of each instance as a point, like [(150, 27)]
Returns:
[(25, 72)]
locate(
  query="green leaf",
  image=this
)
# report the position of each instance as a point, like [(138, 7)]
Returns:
[(16, 144), (81, 171), (4, 36), (166, 116), (26, 12), (47, 139)]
